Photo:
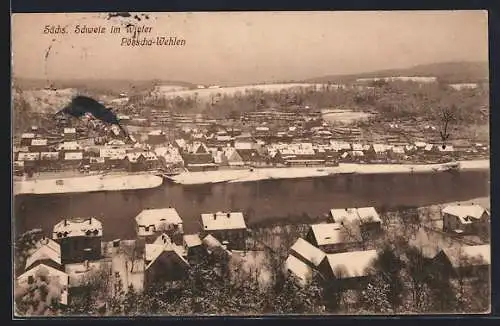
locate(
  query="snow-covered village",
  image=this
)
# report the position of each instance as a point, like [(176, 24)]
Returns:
[(236, 192)]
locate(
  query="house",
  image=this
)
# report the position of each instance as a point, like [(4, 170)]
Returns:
[(69, 146), (299, 270), (331, 237), (164, 262), (251, 157), (26, 139), (234, 158), (369, 219), (97, 163), (39, 145), (366, 217), (79, 238), (397, 152), (49, 160), (351, 269), (307, 253), (193, 245), (51, 274), (169, 156), (69, 134), (30, 159), (466, 219), (227, 227), (151, 222), (212, 245), (48, 253), (197, 157), (113, 156), (378, 152), (73, 160), (141, 161), (463, 260), (82, 273)]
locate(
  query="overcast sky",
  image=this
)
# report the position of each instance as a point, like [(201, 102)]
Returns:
[(249, 47)]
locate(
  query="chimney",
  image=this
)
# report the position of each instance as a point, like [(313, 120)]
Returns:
[(228, 215), (215, 216), (90, 220), (65, 222)]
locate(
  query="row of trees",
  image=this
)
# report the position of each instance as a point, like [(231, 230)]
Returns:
[(396, 99)]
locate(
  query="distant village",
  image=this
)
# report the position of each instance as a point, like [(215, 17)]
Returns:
[(338, 250), (173, 143)]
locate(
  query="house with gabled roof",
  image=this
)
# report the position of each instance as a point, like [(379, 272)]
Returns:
[(48, 253), (464, 260), (152, 222), (367, 218), (193, 245), (333, 237), (350, 268), (307, 253), (80, 239), (466, 219), (227, 227), (165, 261)]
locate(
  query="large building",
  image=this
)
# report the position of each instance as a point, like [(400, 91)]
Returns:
[(80, 239), (227, 227)]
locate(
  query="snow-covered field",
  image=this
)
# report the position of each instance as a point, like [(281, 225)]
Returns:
[(208, 93), (87, 184), (191, 178), (344, 116)]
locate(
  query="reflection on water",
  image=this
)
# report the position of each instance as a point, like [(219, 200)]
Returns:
[(260, 201)]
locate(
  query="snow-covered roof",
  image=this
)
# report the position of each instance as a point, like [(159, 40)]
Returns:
[(420, 144), (362, 214), (51, 250), (114, 153), (398, 150), (223, 221), (368, 214), (192, 240), (49, 155), (308, 252), (466, 213), (327, 233), (39, 142), (470, 255), (341, 215), (28, 156), (351, 264), (299, 269), (28, 135), (69, 130), (76, 227), (69, 146), (73, 156), (158, 217)]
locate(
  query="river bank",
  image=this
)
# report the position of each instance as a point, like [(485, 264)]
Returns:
[(257, 174), (88, 183)]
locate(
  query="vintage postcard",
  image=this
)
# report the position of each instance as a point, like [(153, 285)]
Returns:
[(250, 163)]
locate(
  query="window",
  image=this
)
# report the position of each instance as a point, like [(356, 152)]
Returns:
[(31, 279)]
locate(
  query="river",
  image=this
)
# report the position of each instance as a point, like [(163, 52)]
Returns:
[(260, 201)]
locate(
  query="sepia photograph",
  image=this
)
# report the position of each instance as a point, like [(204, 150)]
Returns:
[(250, 163)]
